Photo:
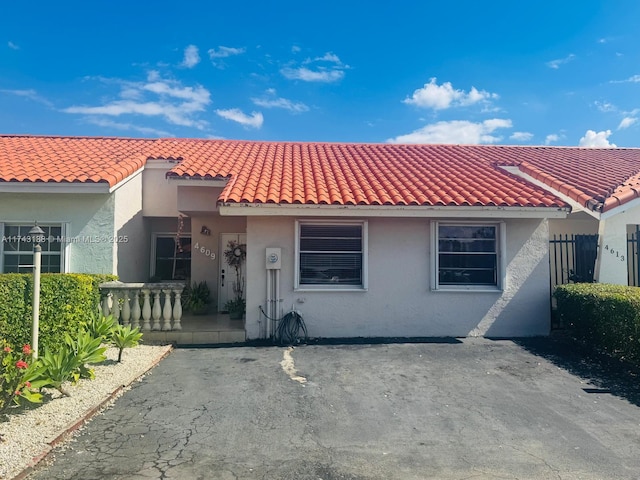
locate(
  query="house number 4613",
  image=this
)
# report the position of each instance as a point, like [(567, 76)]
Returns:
[(204, 251), (614, 252)]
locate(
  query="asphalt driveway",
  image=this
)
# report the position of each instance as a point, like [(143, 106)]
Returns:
[(473, 408)]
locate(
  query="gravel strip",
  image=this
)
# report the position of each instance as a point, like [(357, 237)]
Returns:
[(29, 433)]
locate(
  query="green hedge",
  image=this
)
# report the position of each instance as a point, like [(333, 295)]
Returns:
[(605, 316), (66, 300)]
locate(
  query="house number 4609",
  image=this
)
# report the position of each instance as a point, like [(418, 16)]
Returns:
[(204, 251), (614, 252)]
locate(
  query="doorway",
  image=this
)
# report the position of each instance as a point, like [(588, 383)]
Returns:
[(231, 281)]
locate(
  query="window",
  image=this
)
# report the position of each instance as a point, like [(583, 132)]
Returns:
[(467, 255), (331, 255), (17, 249), (172, 257)]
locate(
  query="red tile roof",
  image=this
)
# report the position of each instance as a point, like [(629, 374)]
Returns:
[(338, 173)]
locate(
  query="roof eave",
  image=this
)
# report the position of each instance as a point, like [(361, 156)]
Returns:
[(418, 211)]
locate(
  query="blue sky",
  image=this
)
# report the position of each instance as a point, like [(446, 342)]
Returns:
[(523, 73)]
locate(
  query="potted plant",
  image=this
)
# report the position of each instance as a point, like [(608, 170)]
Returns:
[(197, 298), (235, 256)]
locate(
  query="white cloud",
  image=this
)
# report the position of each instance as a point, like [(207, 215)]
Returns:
[(627, 122), (592, 139), (104, 122), (521, 136), (224, 52), (295, 49), (322, 75), (605, 106), (552, 137), (631, 79), (312, 72), (13, 46), (457, 132), (329, 57), (271, 101), (30, 94), (191, 57), (176, 104), (555, 64), (440, 97), (254, 120)]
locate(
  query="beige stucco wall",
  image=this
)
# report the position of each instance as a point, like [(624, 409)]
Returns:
[(159, 195), (131, 238), (90, 219), (399, 301)]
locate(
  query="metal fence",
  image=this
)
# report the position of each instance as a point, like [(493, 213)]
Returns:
[(572, 258), (633, 246)]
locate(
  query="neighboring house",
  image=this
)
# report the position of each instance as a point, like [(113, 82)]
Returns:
[(363, 239)]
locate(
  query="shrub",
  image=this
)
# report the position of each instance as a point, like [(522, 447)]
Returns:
[(605, 316), (66, 302)]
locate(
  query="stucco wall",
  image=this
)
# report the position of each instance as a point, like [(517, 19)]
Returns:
[(159, 195), (90, 219), (575, 224), (611, 267), (131, 259), (399, 301)]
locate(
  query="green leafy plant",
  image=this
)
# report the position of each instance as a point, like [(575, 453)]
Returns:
[(20, 377), (235, 307), (197, 297), (60, 367), (87, 350), (124, 336), (100, 326), (69, 362)]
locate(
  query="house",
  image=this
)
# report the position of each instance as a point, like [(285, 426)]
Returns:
[(364, 240)]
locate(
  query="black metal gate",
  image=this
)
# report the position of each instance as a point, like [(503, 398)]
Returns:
[(572, 258), (633, 246)]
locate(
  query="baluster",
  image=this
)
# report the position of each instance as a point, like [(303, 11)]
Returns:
[(115, 305), (106, 310), (156, 311), (146, 310), (166, 309), (177, 309), (135, 311), (126, 309)]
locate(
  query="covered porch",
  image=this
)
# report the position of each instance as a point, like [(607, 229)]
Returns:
[(157, 310)]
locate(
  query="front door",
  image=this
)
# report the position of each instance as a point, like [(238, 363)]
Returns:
[(231, 281)]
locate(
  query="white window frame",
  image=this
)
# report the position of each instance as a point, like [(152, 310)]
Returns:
[(501, 257), (64, 246), (152, 250), (328, 287)]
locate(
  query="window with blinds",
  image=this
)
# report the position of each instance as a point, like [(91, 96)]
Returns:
[(331, 254), (467, 255)]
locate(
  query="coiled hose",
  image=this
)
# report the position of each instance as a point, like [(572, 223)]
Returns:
[(291, 329)]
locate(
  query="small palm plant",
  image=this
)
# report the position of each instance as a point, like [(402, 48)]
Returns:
[(123, 336)]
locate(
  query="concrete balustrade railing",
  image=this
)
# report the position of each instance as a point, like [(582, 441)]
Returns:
[(148, 306)]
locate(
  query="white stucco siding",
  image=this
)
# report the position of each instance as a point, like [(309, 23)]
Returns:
[(130, 237), (89, 219), (612, 263), (399, 300)]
